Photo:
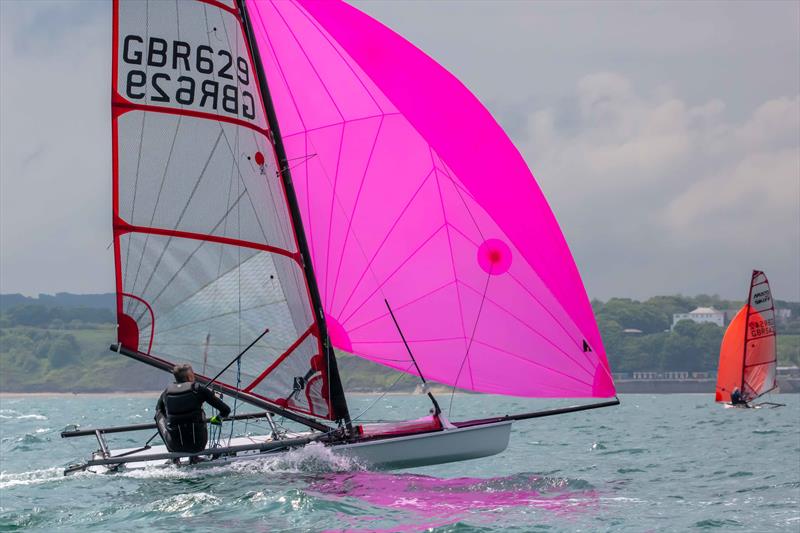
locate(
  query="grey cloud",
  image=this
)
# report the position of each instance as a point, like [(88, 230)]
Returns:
[(55, 159), (662, 133), (656, 195)]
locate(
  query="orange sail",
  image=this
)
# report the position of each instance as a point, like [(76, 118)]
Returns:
[(748, 355), (731, 357)]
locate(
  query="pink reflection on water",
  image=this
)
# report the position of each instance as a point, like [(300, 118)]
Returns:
[(433, 502)]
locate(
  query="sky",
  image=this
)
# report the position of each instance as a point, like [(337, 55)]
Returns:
[(665, 135)]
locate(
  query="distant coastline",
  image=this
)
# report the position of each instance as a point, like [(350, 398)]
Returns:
[(699, 386), (60, 344)]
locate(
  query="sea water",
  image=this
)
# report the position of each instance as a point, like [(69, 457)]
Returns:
[(654, 463)]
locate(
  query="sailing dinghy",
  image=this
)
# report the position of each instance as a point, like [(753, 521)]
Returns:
[(292, 178), (748, 355)]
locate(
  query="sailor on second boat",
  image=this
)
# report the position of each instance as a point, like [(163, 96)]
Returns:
[(179, 413)]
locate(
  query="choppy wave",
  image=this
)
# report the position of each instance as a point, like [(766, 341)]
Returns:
[(184, 504), (314, 458), (579, 472), (33, 477), (11, 414)]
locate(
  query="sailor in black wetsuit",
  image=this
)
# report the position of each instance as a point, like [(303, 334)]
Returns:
[(737, 398), (179, 413)]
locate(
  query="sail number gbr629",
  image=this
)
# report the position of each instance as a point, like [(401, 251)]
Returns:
[(201, 76)]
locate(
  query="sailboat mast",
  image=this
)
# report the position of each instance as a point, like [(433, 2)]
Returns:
[(746, 328), (336, 392)]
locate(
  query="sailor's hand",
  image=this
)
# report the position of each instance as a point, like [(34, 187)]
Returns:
[(215, 420)]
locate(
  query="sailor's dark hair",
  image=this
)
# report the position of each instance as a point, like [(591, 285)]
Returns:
[(181, 372)]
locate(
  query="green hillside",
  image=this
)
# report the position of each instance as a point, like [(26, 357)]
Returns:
[(65, 349)]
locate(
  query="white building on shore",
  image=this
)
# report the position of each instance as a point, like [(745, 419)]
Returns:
[(701, 315)]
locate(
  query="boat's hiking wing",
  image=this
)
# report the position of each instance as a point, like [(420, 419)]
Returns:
[(406, 450), (404, 444)]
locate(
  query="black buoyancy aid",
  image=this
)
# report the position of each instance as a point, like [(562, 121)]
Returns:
[(182, 403)]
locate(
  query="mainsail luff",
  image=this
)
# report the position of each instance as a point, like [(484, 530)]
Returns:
[(335, 390)]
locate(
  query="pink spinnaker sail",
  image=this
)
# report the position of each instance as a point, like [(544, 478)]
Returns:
[(411, 192)]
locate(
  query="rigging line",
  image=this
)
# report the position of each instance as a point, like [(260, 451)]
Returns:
[(234, 168), (437, 410), (158, 199), (135, 187), (238, 270), (307, 156), (239, 174), (166, 165), (288, 238), (190, 256), (139, 156), (379, 398), (235, 398), (280, 207), (237, 358), (141, 134), (222, 132), (216, 316), (326, 345), (472, 337), (200, 289), (289, 168), (217, 286), (183, 212)]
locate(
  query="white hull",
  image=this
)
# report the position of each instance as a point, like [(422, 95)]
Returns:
[(458, 444), (406, 451)]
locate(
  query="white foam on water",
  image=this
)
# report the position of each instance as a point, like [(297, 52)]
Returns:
[(185, 504), (9, 414), (33, 477), (161, 472), (312, 458)]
